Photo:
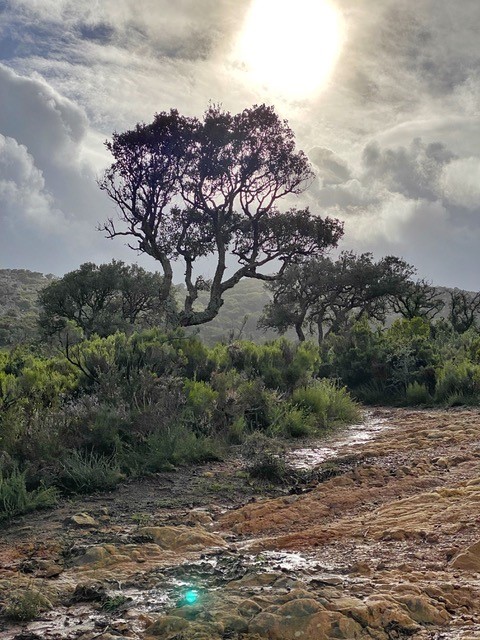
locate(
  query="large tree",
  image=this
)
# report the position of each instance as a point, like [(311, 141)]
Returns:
[(323, 295), (188, 189)]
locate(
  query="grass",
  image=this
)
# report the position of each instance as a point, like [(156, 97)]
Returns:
[(25, 605), (16, 498), (87, 472), (265, 458), (417, 394)]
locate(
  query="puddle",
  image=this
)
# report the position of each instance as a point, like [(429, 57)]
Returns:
[(310, 457)]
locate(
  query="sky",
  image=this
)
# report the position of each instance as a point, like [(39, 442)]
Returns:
[(384, 97)]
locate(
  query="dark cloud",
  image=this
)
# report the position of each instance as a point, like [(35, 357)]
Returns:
[(331, 169), (414, 171)]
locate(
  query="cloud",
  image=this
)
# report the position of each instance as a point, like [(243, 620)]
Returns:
[(331, 169), (461, 183), (414, 171), (23, 196), (394, 137)]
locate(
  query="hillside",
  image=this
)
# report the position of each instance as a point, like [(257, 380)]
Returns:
[(19, 290)]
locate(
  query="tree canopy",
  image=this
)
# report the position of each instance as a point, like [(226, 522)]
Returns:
[(188, 189), (325, 295), (102, 299)]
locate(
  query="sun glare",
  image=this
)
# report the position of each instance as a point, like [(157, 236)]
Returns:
[(290, 46)]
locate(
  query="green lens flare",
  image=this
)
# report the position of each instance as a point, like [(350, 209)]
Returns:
[(191, 596)]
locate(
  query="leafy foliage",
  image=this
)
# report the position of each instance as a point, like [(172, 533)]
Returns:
[(19, 289), (16, 498), (322, 295), (103, 299)]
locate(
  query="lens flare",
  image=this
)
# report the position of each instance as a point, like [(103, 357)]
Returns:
[(191, 596)]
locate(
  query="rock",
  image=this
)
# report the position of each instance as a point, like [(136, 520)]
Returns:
[(361, 569), (165, 627), (304, 621), (89, 592), (51, 570), (199, 516), (81, 520), (233, 624), (248, 608), (172, 628), (182, 538), (104, 555), (423, 611), (468, 559)]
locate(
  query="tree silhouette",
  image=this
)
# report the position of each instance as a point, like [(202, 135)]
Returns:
[(189, 189)]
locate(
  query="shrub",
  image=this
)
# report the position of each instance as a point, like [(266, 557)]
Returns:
[(200, 406), (163, 449), (265, 458), (457, 378), (374, 393), (236, 431), (292, 421), (86, 472), (330, 403), (416, 394), (15, 498)]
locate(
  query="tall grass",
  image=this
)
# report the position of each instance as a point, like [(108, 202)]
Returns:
[(86, 472), (15, 498)]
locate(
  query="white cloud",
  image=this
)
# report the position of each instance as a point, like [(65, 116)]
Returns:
[(461, 183), (23, 197)]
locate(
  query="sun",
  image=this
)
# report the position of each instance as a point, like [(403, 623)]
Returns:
[(290, 47)]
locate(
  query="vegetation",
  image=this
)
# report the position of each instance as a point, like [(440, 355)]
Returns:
[(108, 384), (322, 295), (26, 605), (19, 289), (16, 498), (102, 300), (126, 405)]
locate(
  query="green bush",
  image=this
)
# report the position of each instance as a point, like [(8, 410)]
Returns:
[(291, 421), (16, 498), (87, 471), (165, 448), (457, 378), (417, 394), (328, 402), (200, 406), (265, 458)]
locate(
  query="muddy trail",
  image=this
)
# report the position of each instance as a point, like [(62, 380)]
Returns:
[(379, 538)]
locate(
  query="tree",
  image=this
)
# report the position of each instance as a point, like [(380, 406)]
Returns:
[(464, 309), (101, 299), (329, 296), (417, 299), (189, 189)]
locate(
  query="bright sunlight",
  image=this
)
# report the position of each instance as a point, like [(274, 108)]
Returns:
[(290, 46)]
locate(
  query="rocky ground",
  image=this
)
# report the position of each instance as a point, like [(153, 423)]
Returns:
[(383, 542)]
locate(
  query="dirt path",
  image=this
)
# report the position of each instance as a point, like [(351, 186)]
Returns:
[(388, 547)]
